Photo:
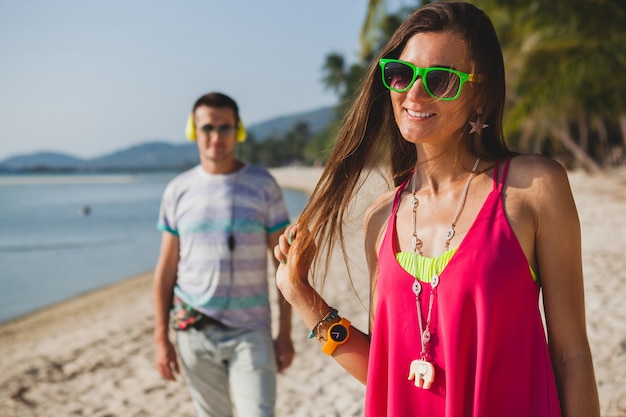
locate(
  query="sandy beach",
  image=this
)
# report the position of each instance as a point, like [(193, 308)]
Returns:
[(93, 355)]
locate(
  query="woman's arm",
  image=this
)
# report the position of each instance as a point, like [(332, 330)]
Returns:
[(559, 263), (311, 308)]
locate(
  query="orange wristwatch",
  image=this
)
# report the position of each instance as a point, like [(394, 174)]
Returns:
[(337, 335)]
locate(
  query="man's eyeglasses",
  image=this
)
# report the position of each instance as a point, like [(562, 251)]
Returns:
[(222, 130), (440, 83)]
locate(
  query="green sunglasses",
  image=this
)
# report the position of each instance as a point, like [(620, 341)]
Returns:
[(440, 83)]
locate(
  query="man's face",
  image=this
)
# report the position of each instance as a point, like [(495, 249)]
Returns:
[(216, 133)]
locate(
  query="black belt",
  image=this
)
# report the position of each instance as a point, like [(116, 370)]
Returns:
[(207, 321)]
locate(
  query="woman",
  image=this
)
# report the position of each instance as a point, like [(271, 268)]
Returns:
[(460, 250)]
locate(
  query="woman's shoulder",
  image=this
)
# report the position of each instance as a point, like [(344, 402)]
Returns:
[(380, 207), (536, 163), (540, 179), (535, 169), (376, 217)]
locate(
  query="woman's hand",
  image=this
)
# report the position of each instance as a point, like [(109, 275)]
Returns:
[(295, 288), (284, 243)]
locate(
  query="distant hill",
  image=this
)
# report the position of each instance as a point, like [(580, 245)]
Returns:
[(41, 160), (316, 119), (158, 154), (147, 156)]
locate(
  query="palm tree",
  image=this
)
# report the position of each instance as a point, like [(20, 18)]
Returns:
[(335, 77), (563, 62), (380, 24), (370, 31), (378, 27)]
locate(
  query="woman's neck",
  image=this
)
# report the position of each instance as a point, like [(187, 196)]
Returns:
[(439, 172)]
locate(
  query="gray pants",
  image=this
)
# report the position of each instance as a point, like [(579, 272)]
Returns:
[(226, 367)]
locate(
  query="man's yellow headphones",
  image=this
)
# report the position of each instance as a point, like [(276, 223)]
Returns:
[(190, 130)]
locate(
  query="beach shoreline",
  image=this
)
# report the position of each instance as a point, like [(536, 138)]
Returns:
[(92, 355)]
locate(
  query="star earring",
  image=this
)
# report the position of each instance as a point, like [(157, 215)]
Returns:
[(478, 125)]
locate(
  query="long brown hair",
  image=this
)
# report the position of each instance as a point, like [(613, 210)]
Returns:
[(369, 135)]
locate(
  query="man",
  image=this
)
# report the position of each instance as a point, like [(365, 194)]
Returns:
[(219, 220)]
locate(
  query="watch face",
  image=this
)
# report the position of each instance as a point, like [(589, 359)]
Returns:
[(338, 333)]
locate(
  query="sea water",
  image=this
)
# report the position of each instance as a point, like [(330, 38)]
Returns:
[(63, 235)]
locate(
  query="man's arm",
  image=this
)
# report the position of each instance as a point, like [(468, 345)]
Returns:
[(283, 343), (164, 280)]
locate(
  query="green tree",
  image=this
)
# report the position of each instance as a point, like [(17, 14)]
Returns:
[(277, 150), (247, 151), (334, 73), (295, 142), (564, 60), (318, 148)]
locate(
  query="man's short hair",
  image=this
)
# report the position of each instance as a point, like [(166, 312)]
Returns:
[(217, 100)]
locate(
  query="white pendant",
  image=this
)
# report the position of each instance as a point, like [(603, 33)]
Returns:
[(423, 372), (434, 281), (417, 287), (450, 234)]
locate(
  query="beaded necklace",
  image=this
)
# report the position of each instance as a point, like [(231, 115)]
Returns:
[(421, 370)]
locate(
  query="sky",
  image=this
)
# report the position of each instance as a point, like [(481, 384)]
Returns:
[(88, 78)]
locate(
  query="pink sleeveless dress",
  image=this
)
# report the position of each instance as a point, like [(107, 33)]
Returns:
[(488, 344)]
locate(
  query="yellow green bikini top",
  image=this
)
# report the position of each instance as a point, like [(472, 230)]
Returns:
[(427, 267)]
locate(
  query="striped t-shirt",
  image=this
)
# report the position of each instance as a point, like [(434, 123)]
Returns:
[(203, 209)]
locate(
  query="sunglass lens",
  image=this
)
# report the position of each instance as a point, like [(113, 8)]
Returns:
[(226, 130), (398, 76), (443, 84), (223, 130)]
